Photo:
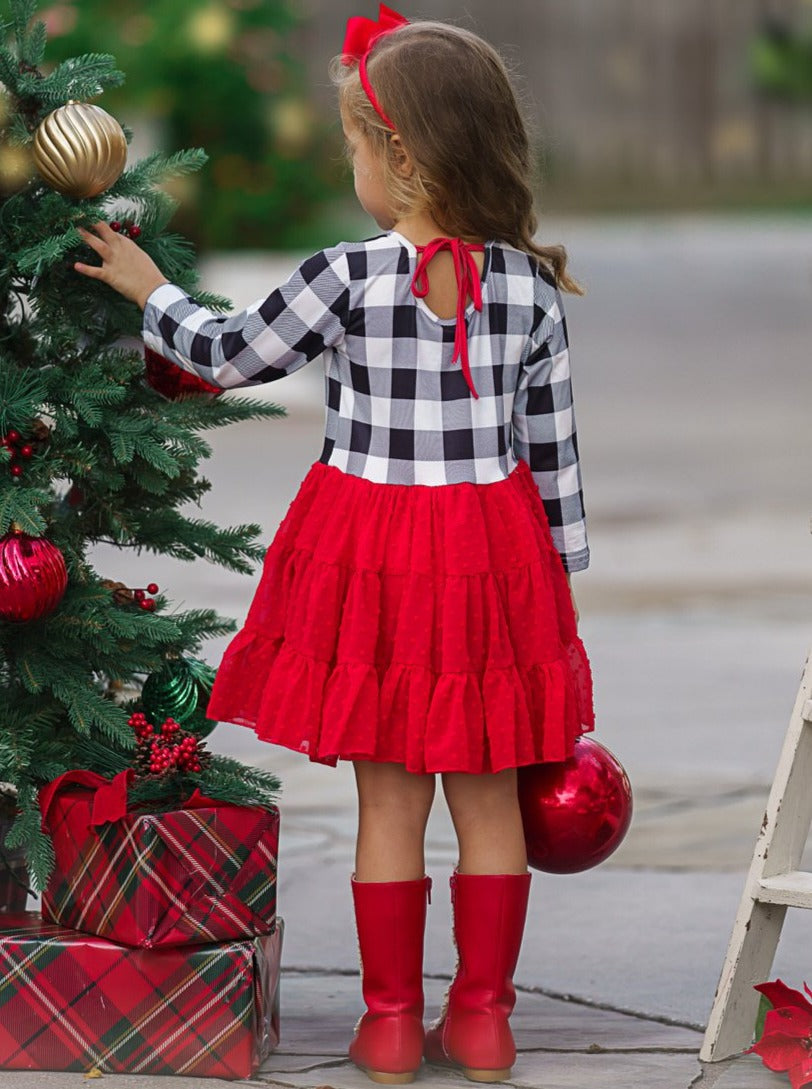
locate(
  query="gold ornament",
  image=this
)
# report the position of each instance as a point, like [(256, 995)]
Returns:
[(80, 150)]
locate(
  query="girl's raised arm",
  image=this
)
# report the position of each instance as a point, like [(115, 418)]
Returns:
[(270, 338)]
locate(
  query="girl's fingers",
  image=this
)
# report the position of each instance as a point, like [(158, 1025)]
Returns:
[(91, 239), (105, 230), (94, 271)]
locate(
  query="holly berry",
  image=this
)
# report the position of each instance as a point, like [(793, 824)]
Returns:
[(26, 451), (16, 470), (13, 436), (115, 226), (134, 231), (148, 604), (153, 588), (139, 595)]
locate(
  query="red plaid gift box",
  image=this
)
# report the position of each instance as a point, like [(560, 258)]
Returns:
[(193, 875), (74, 1001)]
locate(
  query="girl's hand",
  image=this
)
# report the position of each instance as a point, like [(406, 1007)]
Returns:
[(572, 595), (125, 266)]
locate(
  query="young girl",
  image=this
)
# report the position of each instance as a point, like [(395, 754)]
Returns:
[(414, 613)]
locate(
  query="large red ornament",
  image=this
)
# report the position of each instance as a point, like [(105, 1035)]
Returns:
[(172, 381), (575, 813), (33, 577)]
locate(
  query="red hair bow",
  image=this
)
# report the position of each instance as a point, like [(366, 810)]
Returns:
[(361, 35)]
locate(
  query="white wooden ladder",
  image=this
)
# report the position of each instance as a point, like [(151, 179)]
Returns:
[(774, 883)]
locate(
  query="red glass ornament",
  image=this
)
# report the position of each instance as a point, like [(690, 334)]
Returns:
[(575, 813), (33, 577), (173, 381)]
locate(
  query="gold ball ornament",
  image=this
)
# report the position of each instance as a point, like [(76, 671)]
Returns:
[(80, 150)]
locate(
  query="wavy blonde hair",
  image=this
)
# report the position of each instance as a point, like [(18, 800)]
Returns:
[(450, 97)]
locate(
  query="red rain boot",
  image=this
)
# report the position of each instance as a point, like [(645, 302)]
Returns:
[(473, 1030), (391, 920)]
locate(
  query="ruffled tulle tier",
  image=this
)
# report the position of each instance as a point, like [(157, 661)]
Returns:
[(428, 626)]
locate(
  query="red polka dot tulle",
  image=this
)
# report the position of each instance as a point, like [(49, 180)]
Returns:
[(430, 626)]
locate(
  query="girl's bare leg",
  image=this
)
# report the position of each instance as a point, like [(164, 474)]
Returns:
[(393, 809), (487, 820)]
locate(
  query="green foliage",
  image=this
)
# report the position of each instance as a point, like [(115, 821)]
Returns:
[(111, 461), (782, 62), (222, 76)]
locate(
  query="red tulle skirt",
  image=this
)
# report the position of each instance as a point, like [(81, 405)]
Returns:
[(430, 626)]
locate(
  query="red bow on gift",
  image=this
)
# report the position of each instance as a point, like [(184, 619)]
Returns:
[(362, 33), (109, 797)]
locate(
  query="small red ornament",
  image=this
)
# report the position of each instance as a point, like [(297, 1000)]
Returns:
[(153, 588), (115, 226), (33, 577), (148, 604), (13, 436), (16, 470), (139, 595), (134, 232), (26, 451), (172, 381), (575, 813)]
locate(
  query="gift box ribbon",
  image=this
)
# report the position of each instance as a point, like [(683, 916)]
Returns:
[(109, 795)]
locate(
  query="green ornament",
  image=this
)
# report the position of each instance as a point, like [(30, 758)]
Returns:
[(180, 690)]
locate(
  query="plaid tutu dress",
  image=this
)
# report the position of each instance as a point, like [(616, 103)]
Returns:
[(413, 605)]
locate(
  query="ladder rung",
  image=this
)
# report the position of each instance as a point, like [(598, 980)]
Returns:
[(793, 889)]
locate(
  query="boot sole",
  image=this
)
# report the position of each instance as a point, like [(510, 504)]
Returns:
[(471, 1073), (383, 1078)]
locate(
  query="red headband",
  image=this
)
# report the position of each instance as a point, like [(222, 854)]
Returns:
[(362, 33)]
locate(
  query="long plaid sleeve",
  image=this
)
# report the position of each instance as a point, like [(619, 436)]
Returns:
[(544, 434), (269, 339)]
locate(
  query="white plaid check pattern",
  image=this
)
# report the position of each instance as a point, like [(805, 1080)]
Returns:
[(397, 411)]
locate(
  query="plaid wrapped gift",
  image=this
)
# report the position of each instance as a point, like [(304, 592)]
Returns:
[(192, 875), (74, 1001)]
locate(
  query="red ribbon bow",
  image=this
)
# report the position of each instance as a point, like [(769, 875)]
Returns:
[(109, 795), (468, 283), (362, 33)]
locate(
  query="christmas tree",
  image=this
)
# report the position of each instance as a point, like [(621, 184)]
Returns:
[(91, 451)]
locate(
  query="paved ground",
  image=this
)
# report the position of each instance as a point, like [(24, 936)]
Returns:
[(690, 356)]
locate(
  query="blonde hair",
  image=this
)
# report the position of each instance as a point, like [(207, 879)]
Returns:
[(449, 95)]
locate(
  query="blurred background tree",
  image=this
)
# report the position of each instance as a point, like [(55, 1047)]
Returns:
[(223, 75), (782, 60)]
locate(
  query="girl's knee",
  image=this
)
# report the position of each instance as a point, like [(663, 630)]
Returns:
[(386, 788), (479, 796)]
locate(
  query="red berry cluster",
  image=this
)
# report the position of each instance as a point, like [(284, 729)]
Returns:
[(128, 226), (145, 602), (13, 441), (171, 748)]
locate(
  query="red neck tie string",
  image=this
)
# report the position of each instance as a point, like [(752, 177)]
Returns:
[(468, 284)]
